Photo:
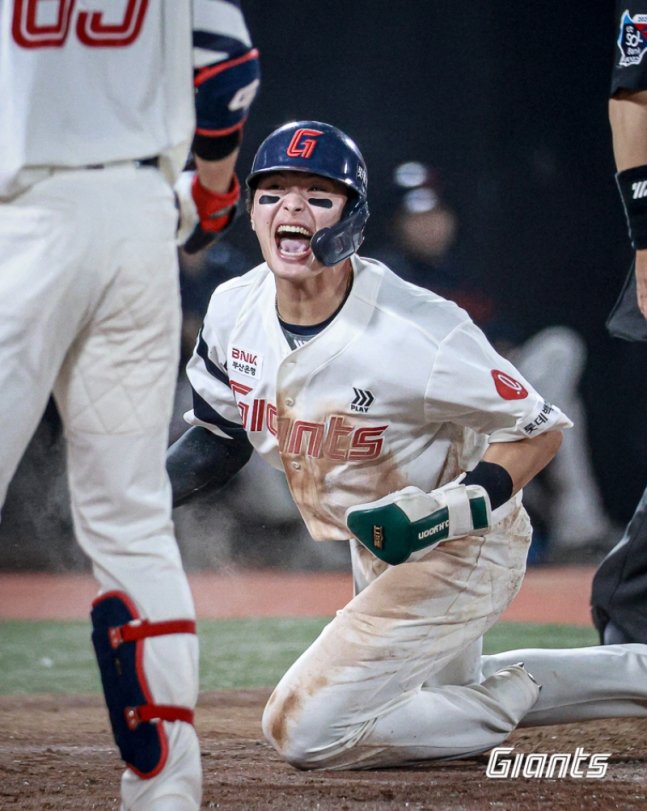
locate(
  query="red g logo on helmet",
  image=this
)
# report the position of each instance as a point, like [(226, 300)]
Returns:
[(303, 143), (508, 387)]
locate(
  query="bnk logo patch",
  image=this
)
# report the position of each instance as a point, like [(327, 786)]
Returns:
[(303, 143), (507, 386), (632, 39)]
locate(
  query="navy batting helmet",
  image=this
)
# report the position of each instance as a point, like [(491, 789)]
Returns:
[(320, 149)]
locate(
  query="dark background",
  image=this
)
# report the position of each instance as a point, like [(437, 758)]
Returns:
[(509, 101)]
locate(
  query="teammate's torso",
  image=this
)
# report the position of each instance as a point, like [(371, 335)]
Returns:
[(83, 83)]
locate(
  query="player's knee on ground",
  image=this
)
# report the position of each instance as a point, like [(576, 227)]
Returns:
[(299, 737)]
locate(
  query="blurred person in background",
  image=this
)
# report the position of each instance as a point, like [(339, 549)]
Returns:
[(424, 240), (564, 501)]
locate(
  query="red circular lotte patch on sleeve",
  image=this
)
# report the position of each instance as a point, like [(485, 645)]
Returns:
[(508, 387)]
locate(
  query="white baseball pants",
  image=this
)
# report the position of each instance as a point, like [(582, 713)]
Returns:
[(89, 309)]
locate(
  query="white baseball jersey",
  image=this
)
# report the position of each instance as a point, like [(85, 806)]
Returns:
[(64, 66), (401, 388)]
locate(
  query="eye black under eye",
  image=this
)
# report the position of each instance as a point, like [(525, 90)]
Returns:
[(320, 201), (268, 199)]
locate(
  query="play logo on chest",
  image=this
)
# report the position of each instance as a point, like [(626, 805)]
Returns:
[(362, 400), (246, 362)]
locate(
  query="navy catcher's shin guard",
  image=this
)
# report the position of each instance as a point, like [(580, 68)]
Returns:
[(118, 638)]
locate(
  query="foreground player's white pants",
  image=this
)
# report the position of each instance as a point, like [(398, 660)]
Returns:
[(89, 308), (397, 676)]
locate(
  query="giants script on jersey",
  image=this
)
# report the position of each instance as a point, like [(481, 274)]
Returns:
[(333, 439)]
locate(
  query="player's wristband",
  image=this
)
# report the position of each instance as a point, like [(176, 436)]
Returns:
[(212, 148), (632, 184), (494, 479), (215, 210)]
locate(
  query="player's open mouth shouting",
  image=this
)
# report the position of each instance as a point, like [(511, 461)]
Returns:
[(293, 241)]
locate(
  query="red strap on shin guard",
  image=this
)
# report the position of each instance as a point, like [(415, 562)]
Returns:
[(156, 712), (142, 629)]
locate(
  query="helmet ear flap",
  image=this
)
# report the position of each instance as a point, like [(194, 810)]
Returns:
[(334, 244)]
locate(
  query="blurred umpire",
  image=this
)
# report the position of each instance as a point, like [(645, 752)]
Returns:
[(618, 602)]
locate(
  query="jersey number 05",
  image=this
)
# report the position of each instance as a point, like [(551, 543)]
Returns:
[(48, 23)]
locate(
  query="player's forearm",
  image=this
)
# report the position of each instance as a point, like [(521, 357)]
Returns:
[(526, 458), (216, 175), (641, 280), (628, 119)]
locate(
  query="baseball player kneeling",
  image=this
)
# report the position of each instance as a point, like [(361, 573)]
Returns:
[(403, 432)]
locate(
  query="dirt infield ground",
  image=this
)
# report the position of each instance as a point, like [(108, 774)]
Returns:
[(58, 753)]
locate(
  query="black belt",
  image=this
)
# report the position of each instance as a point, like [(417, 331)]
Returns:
[(154, 162), (139, 163)]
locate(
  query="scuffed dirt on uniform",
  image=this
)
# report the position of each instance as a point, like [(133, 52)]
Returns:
[(56, 752)]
